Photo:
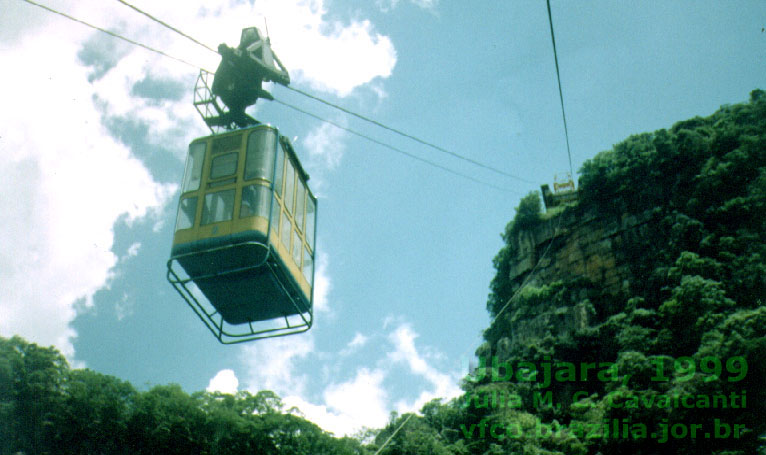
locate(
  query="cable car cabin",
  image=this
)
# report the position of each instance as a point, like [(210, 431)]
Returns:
[(245, 235)]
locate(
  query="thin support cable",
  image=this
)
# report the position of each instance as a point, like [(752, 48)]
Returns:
[(390, 147), (393, 434), (409, 136), (531, 272), (561, 95), (110, 33), (159, 21)]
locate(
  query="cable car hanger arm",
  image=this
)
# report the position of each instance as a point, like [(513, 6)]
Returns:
[(241, 73)]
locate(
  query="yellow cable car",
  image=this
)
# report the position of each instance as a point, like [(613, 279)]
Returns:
[(245, 236)]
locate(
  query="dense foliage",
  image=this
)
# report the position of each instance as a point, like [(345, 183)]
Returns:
[(675, 363), (47, 407), (691, 326)]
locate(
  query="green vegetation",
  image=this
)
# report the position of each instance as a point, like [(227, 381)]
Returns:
[(46, 407), (691, 326), (674, 363)]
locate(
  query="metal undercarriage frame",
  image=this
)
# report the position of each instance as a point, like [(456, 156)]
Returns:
[(254, 330)]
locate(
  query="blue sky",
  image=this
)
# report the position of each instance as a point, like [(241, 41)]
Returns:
[(94, 132)]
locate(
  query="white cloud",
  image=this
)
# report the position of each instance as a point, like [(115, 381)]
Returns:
[(325, 146), (356, 343), (225, 381), (388, 5), (124, 307), (270, 363), (361, 400), (348, 406), (443, 385), (133, 249), (69, 183), (322, 284), (426, 4), (18, 18), (330, 55)]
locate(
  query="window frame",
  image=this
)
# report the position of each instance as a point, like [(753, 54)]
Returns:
[(192, 200), (204, 221), (191, 169), (235, 154), (266, 156)]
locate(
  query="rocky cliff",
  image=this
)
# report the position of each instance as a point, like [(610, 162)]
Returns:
[(658, 267), (580, 245)]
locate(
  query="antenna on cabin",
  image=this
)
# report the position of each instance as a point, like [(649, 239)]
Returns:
[(266, 25)]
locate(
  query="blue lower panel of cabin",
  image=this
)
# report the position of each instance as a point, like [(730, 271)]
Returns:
[(241, 278)]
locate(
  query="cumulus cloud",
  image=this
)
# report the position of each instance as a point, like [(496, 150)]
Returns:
[(133, 249), (358, 341), (124, 307), (330, 55), (271, 363), (325, 145), (348, 406), (70, 183), (354, 345), (362, 399), (444, 385), (388, 5), (322, 284), (225, 381)]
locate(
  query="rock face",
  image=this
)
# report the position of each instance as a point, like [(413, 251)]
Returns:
[(571, 246), (581, 245)]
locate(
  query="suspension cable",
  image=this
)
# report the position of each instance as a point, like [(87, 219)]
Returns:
[(110, 33), (526, 280), (561, 95), (159, 21), (409, 136), (391, 147), (393, 434)]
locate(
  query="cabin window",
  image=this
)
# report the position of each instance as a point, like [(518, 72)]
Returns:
[(218, 206), (299, 209), (297, 248), (275, 211), (289, 186), (259, 163), (308, 266), (285, 234), (224, 165), (193, 172), (255, 201), (310, 219), (278, 171), (187, 209), (227, 143)]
